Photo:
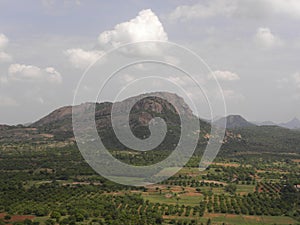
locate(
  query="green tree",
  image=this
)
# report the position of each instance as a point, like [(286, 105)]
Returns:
[(49, 222), (230, 188)]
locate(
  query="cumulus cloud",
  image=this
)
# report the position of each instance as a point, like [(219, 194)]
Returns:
[(145, 27), (235, 8), (4, 57), (80, 58), (265, 38), (224, 75), (33, 73), (228, 93)]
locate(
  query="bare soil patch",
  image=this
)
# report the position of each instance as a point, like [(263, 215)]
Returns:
[(227, 164), (17, 218)]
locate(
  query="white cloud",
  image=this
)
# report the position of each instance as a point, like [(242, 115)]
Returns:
[(4, 57), (33, 73), (145, 27), (186, 81), (265, 38), (3, 41), (7, 101), (236, 8), (232, 95), (80, 58), (127, 78), (224, 75), (200, 10), (52, 75)]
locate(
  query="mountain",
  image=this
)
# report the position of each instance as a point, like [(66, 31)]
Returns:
[(240, 134), (57, 126), (265, 123), (292, 124), (147, 104), (233, 121)]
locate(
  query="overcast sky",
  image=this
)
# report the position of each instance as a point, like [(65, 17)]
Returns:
[(252, 46)]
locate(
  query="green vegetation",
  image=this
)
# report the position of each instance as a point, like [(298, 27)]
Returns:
[(52, 184)]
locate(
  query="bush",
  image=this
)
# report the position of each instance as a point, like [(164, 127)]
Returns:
[(7, 217)]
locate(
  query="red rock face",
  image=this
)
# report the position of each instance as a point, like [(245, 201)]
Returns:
[(153, 106), (145, 118)]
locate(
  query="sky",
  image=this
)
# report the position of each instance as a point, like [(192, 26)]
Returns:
[(252, 48)]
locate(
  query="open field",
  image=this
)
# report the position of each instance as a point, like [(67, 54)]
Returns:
[(245, 189), (230, 219), (186, 199), (57, 186)]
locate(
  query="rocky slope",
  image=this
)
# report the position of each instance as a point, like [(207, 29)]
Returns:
[(241, 135)]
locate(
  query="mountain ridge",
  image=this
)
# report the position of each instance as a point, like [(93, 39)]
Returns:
[(233, 121), (240, 135), (292, 124)]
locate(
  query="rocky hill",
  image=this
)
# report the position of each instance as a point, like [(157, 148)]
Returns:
[(241, 135), (234, 121), (57, 126)]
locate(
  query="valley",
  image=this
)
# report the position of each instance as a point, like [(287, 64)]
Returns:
[(45, 180)]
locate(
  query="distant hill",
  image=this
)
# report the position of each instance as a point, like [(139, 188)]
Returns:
[(240, 135), (265, 139), (234, 121), (292, 124), (265, 123)]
